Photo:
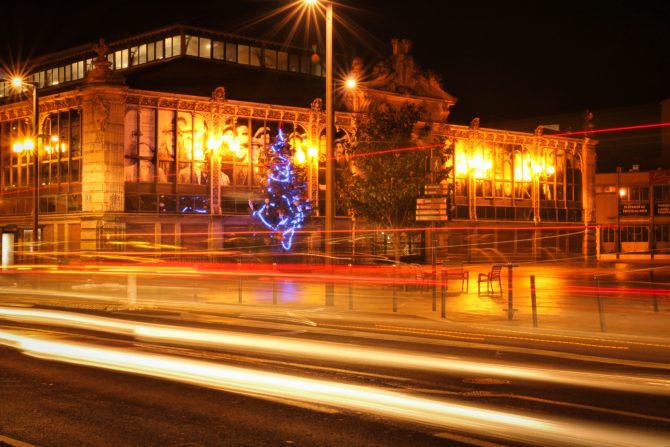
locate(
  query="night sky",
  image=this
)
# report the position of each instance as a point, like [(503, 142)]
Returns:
[(515, 64)]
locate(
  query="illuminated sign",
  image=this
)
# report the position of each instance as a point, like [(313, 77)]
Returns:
[(634, 209), (663, 209)]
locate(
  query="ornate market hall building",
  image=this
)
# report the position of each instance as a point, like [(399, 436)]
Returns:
[(125, 160)]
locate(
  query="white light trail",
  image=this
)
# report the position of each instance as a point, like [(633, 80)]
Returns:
[(329, 351), (402, 406)]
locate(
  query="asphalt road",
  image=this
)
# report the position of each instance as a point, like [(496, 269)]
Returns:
[(50, 403), (505, 383)]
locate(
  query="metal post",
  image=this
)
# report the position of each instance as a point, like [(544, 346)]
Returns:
[(533, 300), (510, 302), (274, 283), (601, 305), (395, 287), (433, 286), (618, 212), (330, 178), (443, 307), (653, 290), (239, 282), (351, 289), (132, 291), (36, 167)]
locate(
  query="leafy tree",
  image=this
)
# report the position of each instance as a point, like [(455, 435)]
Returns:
[(386, 180)]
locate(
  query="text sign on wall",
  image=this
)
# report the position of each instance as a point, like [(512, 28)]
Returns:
[(634, 209), (663, 209)]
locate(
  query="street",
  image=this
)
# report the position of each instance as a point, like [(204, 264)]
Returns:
[(171, 368)]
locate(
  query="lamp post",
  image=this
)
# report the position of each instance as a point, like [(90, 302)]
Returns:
[(19, 83), (330, 175)]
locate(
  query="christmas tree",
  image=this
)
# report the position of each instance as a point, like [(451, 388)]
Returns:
[(284, 209)]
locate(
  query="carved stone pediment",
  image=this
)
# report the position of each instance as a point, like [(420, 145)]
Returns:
[(398, 77)]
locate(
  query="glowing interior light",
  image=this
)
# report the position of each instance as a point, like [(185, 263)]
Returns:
[(351, 83), (550, 170), (312, 151), (29, 145), (54, 138), (63, 147), (17, 147), (311, 2), (300, 156), (622, 192), (212, 143), (234, 146), (198, 153), (537, 169)]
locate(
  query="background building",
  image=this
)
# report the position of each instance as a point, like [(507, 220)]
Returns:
[(633, 213), (126, 154)]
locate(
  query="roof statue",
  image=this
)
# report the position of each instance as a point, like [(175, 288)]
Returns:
[(588, 126), (400, 74), (399, 79), (102, 72)]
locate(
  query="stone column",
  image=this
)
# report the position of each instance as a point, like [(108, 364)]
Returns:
[(588, 196), (103, 160)]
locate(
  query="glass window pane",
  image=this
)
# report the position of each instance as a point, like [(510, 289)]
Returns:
[(255, 58), (243, 54), (68, 73), (205, 48), (150, 52), (159, 49), (146, 171), (124, 58), (142, 59), (176, 46), (217, 50), (147, 139), (130, 133), (168, 47), (133, 56), (282, 60), (166, 134), (231, 52), (117, 60), (191, 45), (270, 59)]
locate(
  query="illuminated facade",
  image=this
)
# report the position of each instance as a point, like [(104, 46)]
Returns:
[(128, 166), (633, 213), (507, 195)]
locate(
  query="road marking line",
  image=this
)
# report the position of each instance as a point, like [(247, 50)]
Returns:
[(464, 335)]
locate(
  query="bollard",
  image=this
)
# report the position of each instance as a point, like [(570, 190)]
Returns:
[(443, 307), (395, 286), (239, 282), (351, 288), (510, 287), (653, 290), (434, 287), (533, 300), (132, 291), (601, 305), (274, 283)]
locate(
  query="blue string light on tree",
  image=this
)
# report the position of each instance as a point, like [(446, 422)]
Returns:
[(284, 209)]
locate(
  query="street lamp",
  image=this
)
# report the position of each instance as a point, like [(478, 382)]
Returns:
[(330, 175), (31, 146)]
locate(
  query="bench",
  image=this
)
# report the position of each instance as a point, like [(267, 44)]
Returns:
[(489, 278), (461, 274)]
